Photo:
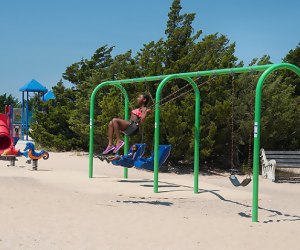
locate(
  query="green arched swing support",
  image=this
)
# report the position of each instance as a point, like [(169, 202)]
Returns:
[(267, 70)]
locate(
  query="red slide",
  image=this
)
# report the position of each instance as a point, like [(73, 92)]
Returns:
[(5, 139)]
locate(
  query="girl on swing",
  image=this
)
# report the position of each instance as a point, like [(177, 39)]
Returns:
[(131, 127)]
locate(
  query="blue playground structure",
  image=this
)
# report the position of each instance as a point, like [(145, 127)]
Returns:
[(49, 96), (31, 87)]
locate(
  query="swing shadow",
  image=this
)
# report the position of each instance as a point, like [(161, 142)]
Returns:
[(287, 217), (40, 170), (136, 181), (278, 213), (162, 184), (156, 202)]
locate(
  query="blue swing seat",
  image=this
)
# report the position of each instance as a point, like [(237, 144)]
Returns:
[(127, 161), (148, 163)]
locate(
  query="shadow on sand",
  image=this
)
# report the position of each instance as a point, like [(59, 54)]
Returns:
[(156, 202), (287, 217)]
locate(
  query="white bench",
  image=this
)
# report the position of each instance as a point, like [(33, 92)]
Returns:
[(271, 160)]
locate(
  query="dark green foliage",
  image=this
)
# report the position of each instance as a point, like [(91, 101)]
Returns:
[(64, 124), (280, 116), (8, 100), (291, 78), (52, 129)]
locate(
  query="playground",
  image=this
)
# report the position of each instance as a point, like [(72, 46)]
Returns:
[(155, 125), (109, 212), (117, 203)]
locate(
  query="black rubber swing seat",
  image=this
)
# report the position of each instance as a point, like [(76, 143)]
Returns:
[(235, 182), (246, 182)]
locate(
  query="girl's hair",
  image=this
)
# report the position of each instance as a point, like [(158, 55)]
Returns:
[(147, 97)]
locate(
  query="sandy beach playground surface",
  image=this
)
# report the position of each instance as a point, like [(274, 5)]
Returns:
[(59, 207)]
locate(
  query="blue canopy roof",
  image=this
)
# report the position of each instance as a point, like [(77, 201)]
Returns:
[(33, 86), (49, 95)]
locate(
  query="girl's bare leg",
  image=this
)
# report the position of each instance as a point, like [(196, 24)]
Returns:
[(110, 133), (118, 126)]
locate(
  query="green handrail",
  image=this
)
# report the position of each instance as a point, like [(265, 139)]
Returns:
[(92, 116), (191, 74), (256, 136), (157, 129)]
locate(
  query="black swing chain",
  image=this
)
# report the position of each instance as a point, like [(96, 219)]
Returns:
[(172, 99), (177, 91), (252, 74), (170, 96), (246, 181)]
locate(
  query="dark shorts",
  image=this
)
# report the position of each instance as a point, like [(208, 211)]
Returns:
[(132, 129)]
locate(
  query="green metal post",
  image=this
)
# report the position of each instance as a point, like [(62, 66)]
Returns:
[(126, 117), (197, 135), (157, 129), (92, 117), (156, 134), (258, 93)]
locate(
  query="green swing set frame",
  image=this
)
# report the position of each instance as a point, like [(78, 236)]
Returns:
[(266, 69)]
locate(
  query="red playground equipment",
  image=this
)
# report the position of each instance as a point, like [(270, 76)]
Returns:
[(7, 142), (8, 152)]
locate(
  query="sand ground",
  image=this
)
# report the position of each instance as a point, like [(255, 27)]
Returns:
[(58, 207)]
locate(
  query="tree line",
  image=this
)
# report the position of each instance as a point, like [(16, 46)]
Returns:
[(227, 102)]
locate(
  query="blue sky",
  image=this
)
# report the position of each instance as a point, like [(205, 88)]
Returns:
[(39, 39)]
